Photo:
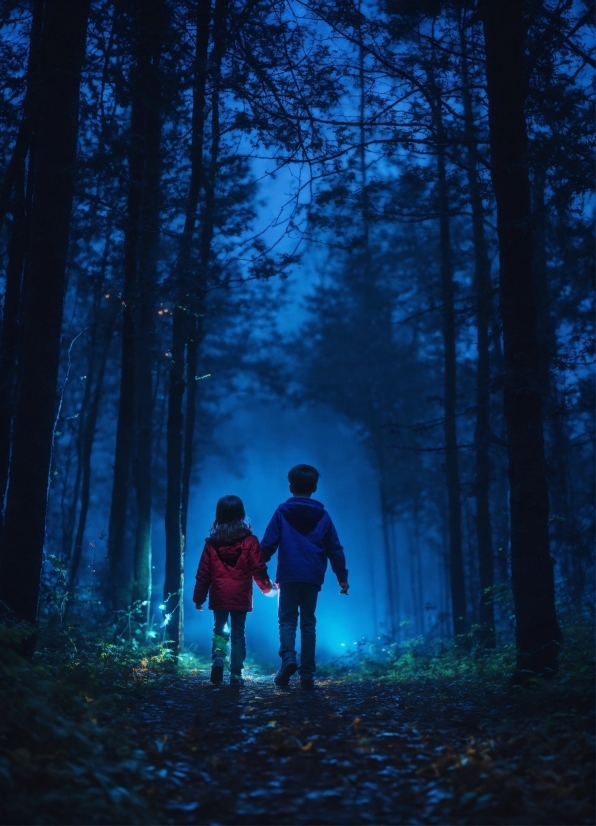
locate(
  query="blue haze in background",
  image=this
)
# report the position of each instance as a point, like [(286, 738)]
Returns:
[(262, 443)]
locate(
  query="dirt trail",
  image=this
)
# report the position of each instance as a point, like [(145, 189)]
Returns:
[(345, 753)]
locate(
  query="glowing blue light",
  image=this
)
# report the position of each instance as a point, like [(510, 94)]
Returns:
[(166, 619), (162, 607)]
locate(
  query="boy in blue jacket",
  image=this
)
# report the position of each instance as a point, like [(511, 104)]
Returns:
[(303, 531)]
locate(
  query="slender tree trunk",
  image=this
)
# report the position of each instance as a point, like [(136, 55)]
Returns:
[(557, 448), (390, 578), (194, 338), (182, 332), (88, 438), (538, 636), (145, 305), (90, 384), (418, 577), (456, 563), (121, 561), (174, 582), (63, 52), (482, 436)]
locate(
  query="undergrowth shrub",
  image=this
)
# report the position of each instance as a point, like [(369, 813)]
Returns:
[(67, 748), (459, 662)]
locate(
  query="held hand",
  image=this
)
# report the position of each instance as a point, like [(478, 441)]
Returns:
[(344, 588), (268, 587), (198, 607)]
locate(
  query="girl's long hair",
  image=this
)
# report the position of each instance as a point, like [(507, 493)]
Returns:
[(230, 524)]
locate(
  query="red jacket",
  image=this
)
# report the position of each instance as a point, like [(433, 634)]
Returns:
[(227, 572)]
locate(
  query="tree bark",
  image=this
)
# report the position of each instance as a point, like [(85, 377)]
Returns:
[(538, 636), (121, 561), (187, 325), (63, 52), (456, 563), (482, 437), (153, 24)]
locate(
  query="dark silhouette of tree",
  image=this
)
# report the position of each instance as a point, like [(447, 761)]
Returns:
[(186, 328), (538, 635), (133, 439), (62, 54), (483, 288)]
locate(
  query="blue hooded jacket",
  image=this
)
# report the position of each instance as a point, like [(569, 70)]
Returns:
[(303, 531)]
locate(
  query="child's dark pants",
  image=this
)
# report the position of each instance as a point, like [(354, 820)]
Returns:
[(298, 598), (221, 637)]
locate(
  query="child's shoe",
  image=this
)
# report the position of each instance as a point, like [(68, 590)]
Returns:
[(236, 681), (217, 671), (282, 678), (307, 684)]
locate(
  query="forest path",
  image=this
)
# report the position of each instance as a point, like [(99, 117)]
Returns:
[(343, 753), (348, 752)]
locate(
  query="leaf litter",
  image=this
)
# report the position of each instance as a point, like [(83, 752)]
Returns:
[(364, 752)]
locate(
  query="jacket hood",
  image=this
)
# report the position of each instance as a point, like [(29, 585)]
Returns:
[(302, 513), (228, 550)]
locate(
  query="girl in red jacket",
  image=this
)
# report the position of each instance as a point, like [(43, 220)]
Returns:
[(230, 560)]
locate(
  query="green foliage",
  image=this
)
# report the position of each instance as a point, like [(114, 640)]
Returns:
[(67, 745), (444, 660)]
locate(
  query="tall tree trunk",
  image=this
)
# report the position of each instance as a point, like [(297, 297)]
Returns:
[(63, 52), (185, 317), (120, 559), (456, 562), (482, 437), (154, 24), (538, 636), (174, 582)]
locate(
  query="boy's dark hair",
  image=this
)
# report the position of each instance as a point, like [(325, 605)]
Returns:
[(230, 520), (303, 478)]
